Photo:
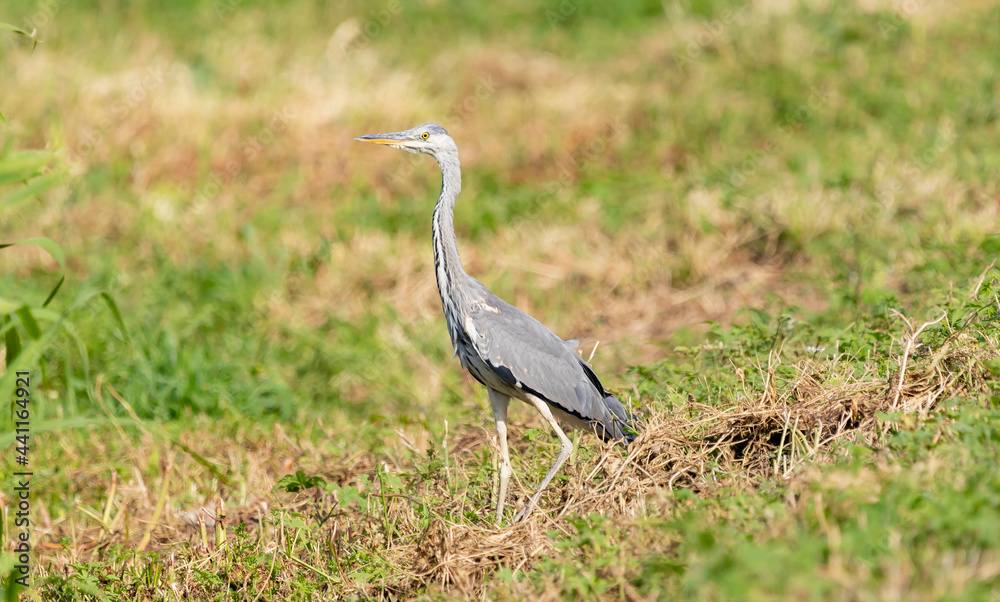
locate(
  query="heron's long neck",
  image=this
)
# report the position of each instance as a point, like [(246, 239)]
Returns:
[(447, 265)]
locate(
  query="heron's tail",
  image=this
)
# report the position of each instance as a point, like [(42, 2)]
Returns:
[(623, 425), (619, 424)]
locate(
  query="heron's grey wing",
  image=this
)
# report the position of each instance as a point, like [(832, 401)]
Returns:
[(530, 357), (571, 343)]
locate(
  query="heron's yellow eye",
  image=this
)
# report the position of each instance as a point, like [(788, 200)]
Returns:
[(425, 135)]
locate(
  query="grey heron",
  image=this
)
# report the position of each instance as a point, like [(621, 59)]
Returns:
[(505, 349)]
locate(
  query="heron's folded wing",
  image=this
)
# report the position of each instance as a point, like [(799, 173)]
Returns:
[(529, 356)]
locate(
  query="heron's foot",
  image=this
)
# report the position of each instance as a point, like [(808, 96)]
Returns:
[(523, 513), (501, 496)]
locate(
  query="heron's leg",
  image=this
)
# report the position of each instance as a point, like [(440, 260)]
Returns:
[(499, 402), (564, 453)]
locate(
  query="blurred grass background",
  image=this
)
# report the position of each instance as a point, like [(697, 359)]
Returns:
[(632, 171)]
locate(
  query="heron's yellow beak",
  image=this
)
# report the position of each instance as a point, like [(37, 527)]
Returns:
[(377, 140), (393, 139)]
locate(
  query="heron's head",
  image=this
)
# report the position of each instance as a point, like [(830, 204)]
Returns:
[(428, 138)]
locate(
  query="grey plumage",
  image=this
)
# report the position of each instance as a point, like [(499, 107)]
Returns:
[(508, 351), (524, 355)]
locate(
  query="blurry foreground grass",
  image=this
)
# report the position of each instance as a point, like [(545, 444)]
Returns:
[(742, 200), (781, 460)]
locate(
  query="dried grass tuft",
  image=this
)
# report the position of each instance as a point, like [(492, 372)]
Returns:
[(700, 447), (435, 537)]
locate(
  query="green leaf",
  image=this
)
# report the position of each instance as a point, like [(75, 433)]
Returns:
[(28, 357), (53, 249), (40, 314), (347, 495), (993, 367), (991, 245), (204, 462), (29, 323), (23, 165), (294, 521), (8, 307), (11, 340), (20, 32), (110, 302), (33, 188), (81, 422), (13, 28), (8, 326), (55, 290), (51, 246), (298, 482)]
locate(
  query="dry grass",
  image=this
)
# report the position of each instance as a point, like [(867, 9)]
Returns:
[(702, 448), (438, 534), (690, 250)]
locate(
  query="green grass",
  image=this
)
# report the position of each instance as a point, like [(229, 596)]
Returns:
[(739, 202)]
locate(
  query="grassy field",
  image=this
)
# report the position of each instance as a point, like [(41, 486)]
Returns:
[(779, 219)]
